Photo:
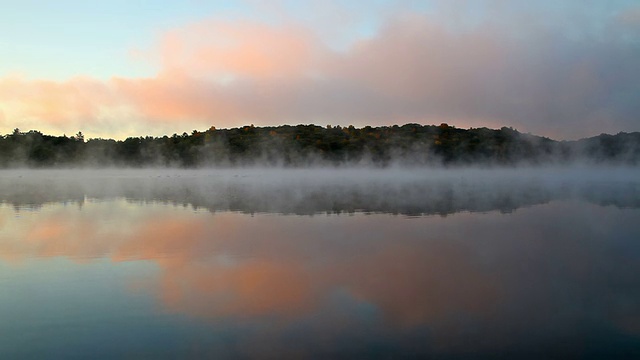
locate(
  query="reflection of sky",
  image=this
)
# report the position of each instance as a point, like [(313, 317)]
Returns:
[(111, 271)]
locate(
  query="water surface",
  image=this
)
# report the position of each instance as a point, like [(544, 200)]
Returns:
[(320, 264)]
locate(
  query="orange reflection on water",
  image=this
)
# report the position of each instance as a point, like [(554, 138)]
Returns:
[(55, 236), (157, 237), (431, 271), (235, 265), (256, 288), (416, 285), (467, 281)]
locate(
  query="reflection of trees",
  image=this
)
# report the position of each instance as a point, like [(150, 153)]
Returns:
[(319, 192)]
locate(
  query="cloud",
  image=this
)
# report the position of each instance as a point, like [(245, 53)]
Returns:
[(543, 74), (55, 102), (630, 16), (414, 69), (245, 49)]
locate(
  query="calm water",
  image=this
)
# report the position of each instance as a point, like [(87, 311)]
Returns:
[(320, 264)]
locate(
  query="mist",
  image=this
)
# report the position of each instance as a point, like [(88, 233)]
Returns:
[(412, 192), (308, 146)]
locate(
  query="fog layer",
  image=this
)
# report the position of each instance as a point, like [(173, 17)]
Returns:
[(313, 191)]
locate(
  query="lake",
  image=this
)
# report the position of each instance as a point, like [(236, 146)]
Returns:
[(320, 263)]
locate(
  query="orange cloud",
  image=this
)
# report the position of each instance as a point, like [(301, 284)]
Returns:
[(175, 98), (53, 102)]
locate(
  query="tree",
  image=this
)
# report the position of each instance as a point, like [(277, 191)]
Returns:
[(79, 136)]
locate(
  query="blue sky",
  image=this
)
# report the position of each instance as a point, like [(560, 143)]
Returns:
[(66, 38)]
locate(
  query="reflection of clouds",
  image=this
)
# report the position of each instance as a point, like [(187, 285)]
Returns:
[(499, 275), (232, 265), (255, 288), (158, 237), (417, 285), (274, 274), (55, 237)]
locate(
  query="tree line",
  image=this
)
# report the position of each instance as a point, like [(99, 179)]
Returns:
[(312, 145)]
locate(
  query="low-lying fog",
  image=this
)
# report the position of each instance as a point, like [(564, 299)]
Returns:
[(311, 191)]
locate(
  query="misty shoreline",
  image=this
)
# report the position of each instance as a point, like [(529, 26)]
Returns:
[(325, 190), (308, 146)]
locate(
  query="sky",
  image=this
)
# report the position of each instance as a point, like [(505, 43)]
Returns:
[(565, 69)]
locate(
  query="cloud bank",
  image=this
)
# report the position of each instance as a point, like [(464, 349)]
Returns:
[(560, 71)]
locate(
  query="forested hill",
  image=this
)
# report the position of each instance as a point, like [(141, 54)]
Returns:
[(311, 145)]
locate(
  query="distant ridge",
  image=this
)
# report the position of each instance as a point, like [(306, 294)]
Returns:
[(312, 145)]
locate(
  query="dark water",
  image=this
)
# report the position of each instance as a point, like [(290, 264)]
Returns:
[(447, 264)]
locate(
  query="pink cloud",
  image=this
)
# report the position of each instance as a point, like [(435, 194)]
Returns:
[(242, 49)]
